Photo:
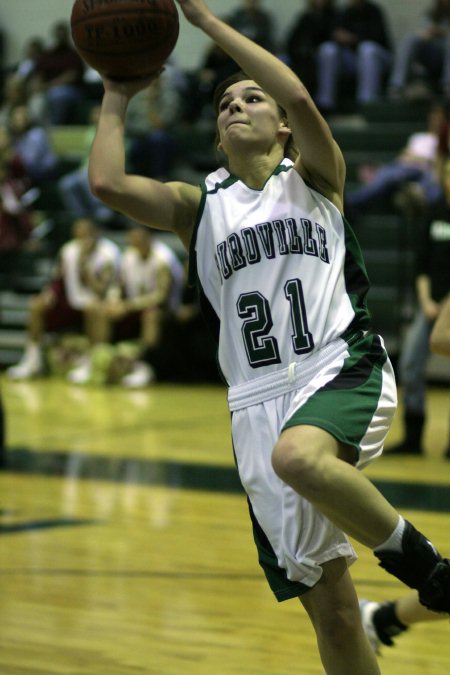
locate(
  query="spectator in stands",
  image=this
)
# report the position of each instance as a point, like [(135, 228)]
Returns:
[(15, 94), (256, 23), (36, 102), (58, 76), (433, 286), (16, 221), (187, 327), (416, 164), (151, 117), (215, 67), (148, 293), (32, 144), (313, 27), (73, 186), (360, 48), (33, 51), (87, 267), (426, 49)]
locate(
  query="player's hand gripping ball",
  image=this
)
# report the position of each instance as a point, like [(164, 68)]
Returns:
[(125, 39)]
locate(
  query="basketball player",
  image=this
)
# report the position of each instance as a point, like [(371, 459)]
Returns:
[(311, 389)]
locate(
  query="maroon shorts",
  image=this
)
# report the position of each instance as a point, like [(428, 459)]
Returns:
[(128, 328), (62, 317)]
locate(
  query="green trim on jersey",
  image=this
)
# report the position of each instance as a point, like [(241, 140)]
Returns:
[(357, 282), (230, 180), (192, 272), (281, 168)]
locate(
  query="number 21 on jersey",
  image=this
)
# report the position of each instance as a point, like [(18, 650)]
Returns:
[(261, 347)]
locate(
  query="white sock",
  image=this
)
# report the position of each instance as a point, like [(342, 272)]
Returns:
[(32, 353), (394, 542)]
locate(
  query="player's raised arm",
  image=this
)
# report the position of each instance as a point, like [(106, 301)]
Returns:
[(321, 161), (168, 206)]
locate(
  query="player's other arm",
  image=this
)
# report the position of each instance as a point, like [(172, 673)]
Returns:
[(440, 335), (321, 161), (167, 206)]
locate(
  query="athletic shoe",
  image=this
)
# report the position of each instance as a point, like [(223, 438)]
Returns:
[(82, 373), (435, 592), (405, 448), (141, 375), (367, 610), (31, 365)]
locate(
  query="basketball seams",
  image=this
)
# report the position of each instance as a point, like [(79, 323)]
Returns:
[(123, 12), (118, 55)]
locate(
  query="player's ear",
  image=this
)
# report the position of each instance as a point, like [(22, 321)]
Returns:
[(284, 124), (284, 129)]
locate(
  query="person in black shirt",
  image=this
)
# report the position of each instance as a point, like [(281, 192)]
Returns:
[(313, 27), (433, 285), (255, 22), (359, 47)]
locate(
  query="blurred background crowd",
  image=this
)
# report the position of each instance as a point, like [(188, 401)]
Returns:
[(89, 296)]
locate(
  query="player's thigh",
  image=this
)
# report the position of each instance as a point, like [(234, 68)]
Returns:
[(309, 443)]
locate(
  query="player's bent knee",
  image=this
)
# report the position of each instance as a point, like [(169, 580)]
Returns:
[(289, 461)]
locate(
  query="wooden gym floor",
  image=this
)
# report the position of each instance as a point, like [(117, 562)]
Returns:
[(126, 547)]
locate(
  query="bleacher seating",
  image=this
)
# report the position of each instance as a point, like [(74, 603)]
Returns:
[(372, 137)]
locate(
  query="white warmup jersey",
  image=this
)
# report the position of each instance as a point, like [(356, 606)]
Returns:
[(106, 252), (274, 266), (139, 275), (168, 255)]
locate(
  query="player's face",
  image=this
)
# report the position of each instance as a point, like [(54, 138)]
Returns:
[(85, 232), (139, 239), (247, 114)]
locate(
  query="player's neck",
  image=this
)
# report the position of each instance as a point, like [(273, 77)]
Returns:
[(255, 170)]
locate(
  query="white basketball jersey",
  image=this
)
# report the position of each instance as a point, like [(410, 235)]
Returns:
[(139, 275), (279, 267), (105, 253)]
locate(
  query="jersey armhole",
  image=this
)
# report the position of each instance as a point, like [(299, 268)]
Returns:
[(192, 267)]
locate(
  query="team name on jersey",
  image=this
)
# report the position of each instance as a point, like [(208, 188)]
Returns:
[(271, 239)]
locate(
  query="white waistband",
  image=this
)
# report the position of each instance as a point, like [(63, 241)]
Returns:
[(283, 381)]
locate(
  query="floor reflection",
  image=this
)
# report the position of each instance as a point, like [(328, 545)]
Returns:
[(195, 476)]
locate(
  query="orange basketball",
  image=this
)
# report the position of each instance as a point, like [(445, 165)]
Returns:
[(125, 39)]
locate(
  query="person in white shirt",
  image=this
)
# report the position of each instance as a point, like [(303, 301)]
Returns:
[(87, 267), (148, 292), (417, 163)]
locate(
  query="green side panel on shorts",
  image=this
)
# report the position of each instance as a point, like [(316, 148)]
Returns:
[(346, 405), (282, 587)]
